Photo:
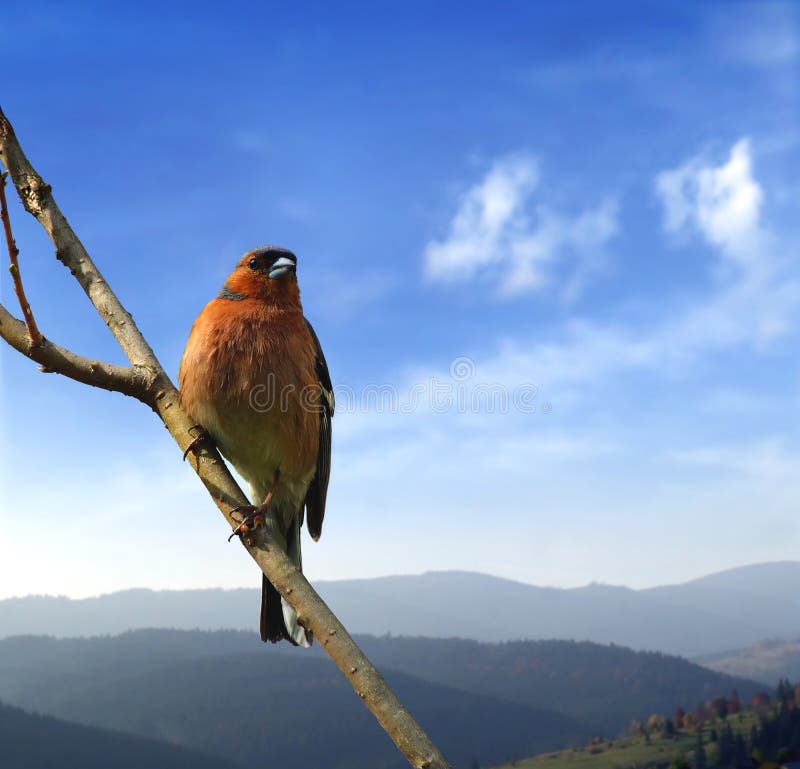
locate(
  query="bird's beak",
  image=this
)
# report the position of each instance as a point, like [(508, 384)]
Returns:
[(282, 266)]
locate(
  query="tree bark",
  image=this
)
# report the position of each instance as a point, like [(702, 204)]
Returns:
[(147, 381)]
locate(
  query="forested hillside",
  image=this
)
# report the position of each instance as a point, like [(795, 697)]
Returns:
[(30, 741), (479, 701)]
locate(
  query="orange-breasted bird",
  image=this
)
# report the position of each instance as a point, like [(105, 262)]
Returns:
[(254, 377)]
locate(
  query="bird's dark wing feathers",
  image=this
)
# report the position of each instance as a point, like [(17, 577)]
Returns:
[(318, 490)]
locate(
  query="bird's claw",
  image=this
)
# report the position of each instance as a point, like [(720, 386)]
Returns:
[(252, 518), (202, 437)]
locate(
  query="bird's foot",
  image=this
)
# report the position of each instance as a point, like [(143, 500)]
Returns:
[(252, 519), (202, 437), (252, 516)]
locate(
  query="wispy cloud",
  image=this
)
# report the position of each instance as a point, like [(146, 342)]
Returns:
[(757, 299), (501, 232), (723, 202), (754, 294)]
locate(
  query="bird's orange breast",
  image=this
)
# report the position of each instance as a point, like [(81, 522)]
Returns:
[(248, 376)]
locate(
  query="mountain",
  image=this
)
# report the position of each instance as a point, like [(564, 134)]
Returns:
[(129, 609), (39, 742), (769, 661), (722, 611), (228, 695), (484, 608), (242, 703), (604, 686), (764, 595), (593, 688)]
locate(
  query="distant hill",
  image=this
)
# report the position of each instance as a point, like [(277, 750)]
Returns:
[(129, 610), (768, 661), (229, 695), (30, 741), (484, 608), (722, 611), (604, 686), (560, 690), (765, 595)]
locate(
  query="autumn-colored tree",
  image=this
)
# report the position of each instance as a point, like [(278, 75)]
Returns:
[(701, 714), (655, 723), (759, 701), (688, 721), (678, 717)]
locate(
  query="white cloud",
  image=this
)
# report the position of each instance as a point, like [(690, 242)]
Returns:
[(723, 202), (754, 302), (758, 300), (501, 232), (490, 212)]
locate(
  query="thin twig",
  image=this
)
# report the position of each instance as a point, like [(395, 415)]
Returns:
[(13, 253), (161, 395)]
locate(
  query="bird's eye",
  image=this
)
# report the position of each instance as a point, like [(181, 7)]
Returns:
[(253, 263)]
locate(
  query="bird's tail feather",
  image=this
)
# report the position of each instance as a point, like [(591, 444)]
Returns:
[(297, 633), (272, 627), (278, 618)]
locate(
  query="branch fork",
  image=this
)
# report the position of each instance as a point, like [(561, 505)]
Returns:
[(34, 334)]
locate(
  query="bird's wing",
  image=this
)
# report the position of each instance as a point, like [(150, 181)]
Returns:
[(318, 490)]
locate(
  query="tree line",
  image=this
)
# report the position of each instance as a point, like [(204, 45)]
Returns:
[(772, 740)]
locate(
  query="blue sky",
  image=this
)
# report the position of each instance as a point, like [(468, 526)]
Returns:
[(580, 223)]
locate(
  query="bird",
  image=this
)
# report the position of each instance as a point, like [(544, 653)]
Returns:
[(255, 379)]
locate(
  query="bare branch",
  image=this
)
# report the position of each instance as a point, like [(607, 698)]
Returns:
[(162, 396), (135, 381), (13, 253)]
